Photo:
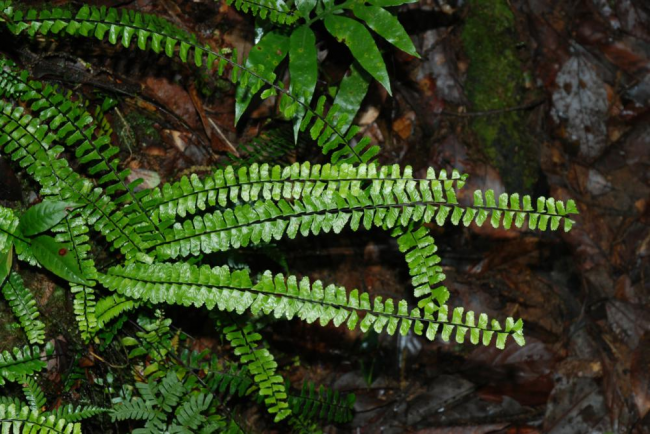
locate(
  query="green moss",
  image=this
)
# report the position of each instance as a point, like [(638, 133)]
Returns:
[(495, 80)]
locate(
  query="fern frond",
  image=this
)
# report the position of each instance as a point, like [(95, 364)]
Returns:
[(33, 394), (234, 381), (171, 391), (275, 11), (424, 264), (7, 401), (23, 305), (26, 140), (262, 366), (8, 224), (71, 413), (189, 414), (112, 306), (22, 362), (159, 35), (136, 409), (262, 221), (249, 184), (187, 285), (25, 420), (76, 128), (322, 403)]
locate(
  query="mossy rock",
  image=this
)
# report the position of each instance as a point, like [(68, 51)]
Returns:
[(495, 80)]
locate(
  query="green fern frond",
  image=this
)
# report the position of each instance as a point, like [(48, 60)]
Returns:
[(23, 305), (234, 381), (25, 420), (424, 264), (159, 35), (171, 391), (71, 413), (322, 403), (8, 225), (22, 362), (76, 128), (248, 184), (262, 366), (136, 409), (8, 400), (112, 306), (262, 221), (275, 11), (34, 394), (187, 285), (189, 414), (73, 232), (26, 140)]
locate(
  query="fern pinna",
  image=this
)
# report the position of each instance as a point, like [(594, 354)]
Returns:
[(160, 237)]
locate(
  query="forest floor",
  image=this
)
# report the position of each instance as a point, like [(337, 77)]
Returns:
[(534, 96)]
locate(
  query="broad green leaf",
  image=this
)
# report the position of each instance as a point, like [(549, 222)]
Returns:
[(44, 216), (265, 56), (303, 68), (386, 26), (353, 90), (58, 259), (388, 3), (363, 47)]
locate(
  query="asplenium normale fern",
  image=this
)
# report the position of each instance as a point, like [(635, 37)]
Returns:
[(161, 239)]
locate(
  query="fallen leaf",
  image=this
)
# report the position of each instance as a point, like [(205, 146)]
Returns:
[(640, 373), (580, 101)]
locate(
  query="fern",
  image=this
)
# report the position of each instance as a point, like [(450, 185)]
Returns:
[(322, 403), (423, 263), (25, 420), (26, 141), (249, 184), (112, 306), (265, 220), (8, 224), (22, 362), (23, 305), (262, 366), (275, 11), (158, 35), (33, 394), (190, 285), (75, 127), (70, 413)]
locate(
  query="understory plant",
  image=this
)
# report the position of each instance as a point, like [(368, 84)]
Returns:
[(161, 242)]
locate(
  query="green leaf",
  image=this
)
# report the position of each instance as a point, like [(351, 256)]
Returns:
[(44, 216), (305, 7), (303, 68), (265, 56), (387, 26), (388, 3), (363, 47), (352, 91), (6, 260), (58, 259)]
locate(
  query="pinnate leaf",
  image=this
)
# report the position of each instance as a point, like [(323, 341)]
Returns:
[(361, 44), (386, 25)]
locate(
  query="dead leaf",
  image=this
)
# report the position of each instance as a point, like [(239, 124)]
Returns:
[(640, 373), (580, 101)]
